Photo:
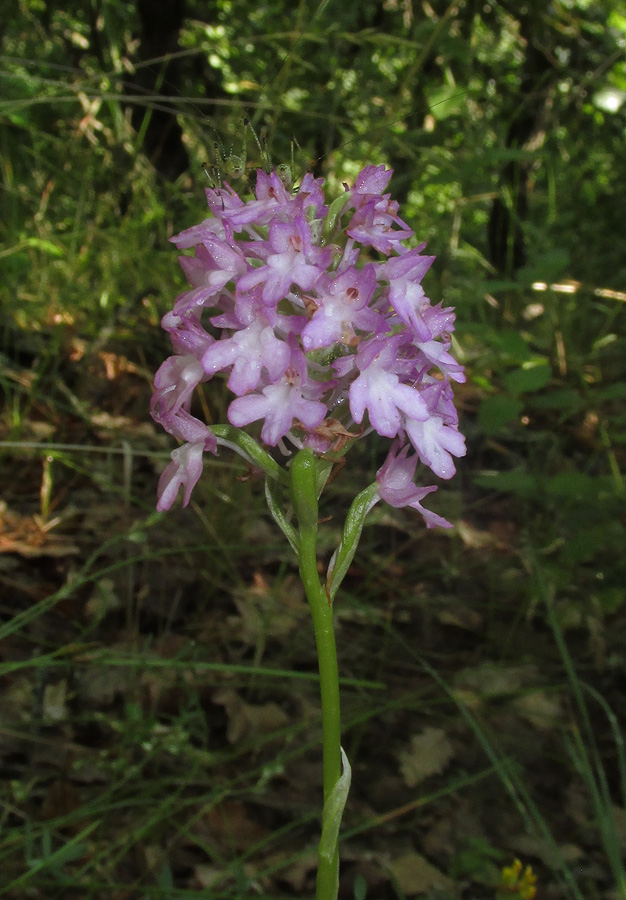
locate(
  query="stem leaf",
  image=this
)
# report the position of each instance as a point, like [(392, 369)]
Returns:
[(245, 445), (275, 503), (344, 554), (333, 811)]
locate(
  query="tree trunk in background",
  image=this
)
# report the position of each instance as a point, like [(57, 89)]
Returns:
[(160, 23), (505, 230)]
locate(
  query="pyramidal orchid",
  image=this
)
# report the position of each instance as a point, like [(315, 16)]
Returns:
[(316, 315)]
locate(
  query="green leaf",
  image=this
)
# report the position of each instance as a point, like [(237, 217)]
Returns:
[(45, 246), (495, 286), (324, 468), (74, 849), (334, 212), (360, 887), (517, 481), (511, 345), (589, 540), (523, 380), (566, 400), (494, 413), (612, 392), (443, 103), (546, 266), (573, 485), (612, 599), (344, 554), (165, 879), (275, 502), (333, 810), (245, 445)]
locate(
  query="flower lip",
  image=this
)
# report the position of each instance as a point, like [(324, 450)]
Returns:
[(396, 487)]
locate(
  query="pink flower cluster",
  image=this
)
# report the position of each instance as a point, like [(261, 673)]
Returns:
[(318, 316)]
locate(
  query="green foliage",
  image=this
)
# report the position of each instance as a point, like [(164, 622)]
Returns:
[(496, 412)]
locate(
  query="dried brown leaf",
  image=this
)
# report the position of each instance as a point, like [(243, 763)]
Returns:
[(429, 753), (245, 719), (415, 875)]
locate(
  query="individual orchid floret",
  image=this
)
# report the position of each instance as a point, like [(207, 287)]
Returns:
[(184, 471), (194, 236), (378, 389), (188, 428), (340, 308), (437, 438), (280, 403), (223, 201), (310, 197), (436, 444), (436, 353), (293, 260), (271, 198), (214, 265), (406, 293), (274, 203), (250, 351), (372, 223), (174, 383), (439, 320), (370, 182), (186, 333), (397, 488)]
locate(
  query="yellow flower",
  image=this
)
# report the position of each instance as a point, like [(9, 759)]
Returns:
[(514, 881)]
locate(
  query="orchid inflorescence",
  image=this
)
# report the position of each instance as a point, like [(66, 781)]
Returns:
[(318, 315)]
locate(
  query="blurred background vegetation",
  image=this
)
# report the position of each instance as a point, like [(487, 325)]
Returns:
[(158, 716)]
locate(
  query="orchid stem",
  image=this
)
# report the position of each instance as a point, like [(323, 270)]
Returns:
[(304, 493)]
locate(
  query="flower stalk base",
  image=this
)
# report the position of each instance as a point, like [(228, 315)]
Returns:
[(304, 487)]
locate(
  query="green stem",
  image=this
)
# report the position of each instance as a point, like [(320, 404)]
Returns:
[(322, 613), (304, 493)]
